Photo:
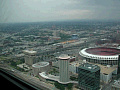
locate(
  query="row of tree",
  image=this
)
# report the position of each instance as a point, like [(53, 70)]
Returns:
[(62, 87)]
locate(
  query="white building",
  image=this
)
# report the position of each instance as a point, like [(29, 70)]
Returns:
[(40, 67), (73, 67), (107, 72), (55, 64), (29, 56)]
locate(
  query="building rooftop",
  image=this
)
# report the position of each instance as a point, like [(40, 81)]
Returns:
[(76, 63), (40, 64), (31, 52), (55, 78), (90, 67), (106, 69), (19, 55), (64, 56), (116, 84)]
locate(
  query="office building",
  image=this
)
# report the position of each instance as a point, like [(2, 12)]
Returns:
[(89, 76), (29, 56), (73, 67), (107, 72), (118, 71), (64, 68)]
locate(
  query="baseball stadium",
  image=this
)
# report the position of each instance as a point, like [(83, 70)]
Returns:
[(101, 55)]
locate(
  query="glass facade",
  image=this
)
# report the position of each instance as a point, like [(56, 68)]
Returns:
[(88, 80), (118, 67)]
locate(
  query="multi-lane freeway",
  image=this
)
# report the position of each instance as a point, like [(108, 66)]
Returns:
[(27, 78)]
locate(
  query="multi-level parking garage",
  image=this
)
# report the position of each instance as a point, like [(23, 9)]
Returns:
[(101, 55)]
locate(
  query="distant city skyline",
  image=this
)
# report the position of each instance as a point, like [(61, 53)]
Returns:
[(60, 10)]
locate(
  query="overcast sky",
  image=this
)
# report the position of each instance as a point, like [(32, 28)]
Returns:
[(55, 10)]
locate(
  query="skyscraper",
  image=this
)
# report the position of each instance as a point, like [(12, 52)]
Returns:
[(64, 68), (89, 76)]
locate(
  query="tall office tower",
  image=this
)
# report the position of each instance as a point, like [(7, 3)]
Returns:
[(89, 76), (64, 68), (29, 56), (118, 71)]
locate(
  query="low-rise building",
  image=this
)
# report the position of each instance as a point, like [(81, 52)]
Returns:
[(55, 64), (73, 67), (107, 72), (116, 85), (40, 67)]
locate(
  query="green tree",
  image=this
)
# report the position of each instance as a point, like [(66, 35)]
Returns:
[(22, 60), (20, 69), (64, 36), (59, 86), (73, 78), (69, 86), (13, 63)]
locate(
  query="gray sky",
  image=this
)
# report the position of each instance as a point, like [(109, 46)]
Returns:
[(54, 10)]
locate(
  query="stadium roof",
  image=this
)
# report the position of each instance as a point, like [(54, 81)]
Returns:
[(100, 53), (103, 51)]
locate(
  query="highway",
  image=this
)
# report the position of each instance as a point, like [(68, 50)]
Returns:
[(29, 79)]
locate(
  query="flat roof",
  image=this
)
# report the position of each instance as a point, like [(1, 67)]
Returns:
[(105, 69), (55, 78), (75, 63), (89, 67), (30, 51), (40, 64)]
